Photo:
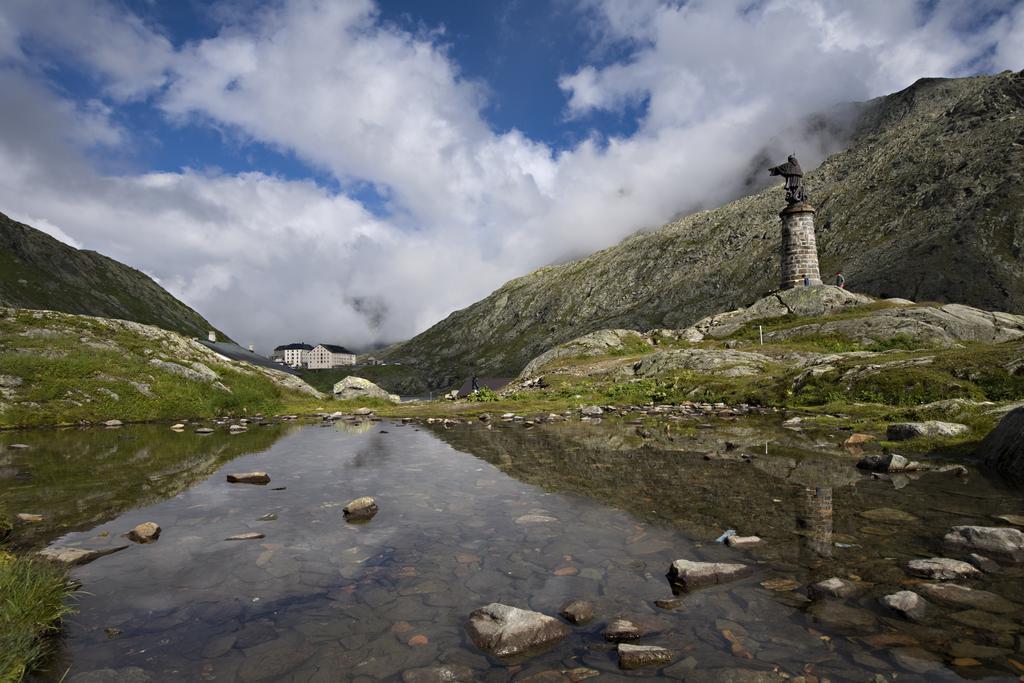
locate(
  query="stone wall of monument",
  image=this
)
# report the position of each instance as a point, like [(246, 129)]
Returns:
[(799, 247)]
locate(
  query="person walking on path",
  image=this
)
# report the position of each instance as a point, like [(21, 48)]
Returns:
[(840, 280)]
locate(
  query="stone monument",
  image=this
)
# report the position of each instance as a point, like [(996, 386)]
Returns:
[(799, 247)]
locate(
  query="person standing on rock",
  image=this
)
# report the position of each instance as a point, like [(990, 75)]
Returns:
[(475, 385), (840, 280), (807, 280)]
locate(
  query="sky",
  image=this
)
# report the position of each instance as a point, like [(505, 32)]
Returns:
[(352, 171)]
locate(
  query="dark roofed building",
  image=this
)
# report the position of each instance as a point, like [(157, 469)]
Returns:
[(295, 355)]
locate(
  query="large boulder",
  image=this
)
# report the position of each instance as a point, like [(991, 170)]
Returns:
[(901, 431), (1003, 449), (358, 387), (507, 631)]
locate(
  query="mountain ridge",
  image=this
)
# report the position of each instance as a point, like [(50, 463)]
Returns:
[(926, 202), (41, 272)]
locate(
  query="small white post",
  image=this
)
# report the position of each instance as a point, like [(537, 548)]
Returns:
[(766, 448), (760, 333)]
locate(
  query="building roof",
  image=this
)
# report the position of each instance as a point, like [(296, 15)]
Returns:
[(236, 352), (299, 345), (334, 348)]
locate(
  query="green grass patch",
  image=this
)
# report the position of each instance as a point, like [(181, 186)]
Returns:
[(34, 597)]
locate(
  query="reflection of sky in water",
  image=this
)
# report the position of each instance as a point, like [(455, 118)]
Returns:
[(320, 597)]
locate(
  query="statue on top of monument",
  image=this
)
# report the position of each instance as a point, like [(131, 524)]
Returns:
[(794, 176)]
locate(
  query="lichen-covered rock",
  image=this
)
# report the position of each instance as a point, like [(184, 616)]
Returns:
[(357, 387), (883, 462), (1001, 543), (1002, 451), (507, 631), (901, 431)]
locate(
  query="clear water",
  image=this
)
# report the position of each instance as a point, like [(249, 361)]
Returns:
[(322, 599)]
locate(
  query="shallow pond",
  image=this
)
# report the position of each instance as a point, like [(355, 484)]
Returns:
[(473, 514)]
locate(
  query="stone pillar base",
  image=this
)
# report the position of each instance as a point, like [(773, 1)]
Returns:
[(799, 247)]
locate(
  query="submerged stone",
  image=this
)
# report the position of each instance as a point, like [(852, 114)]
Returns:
[(577, 611), (507, 631), (962, 596), (834, 587), (842, 618)]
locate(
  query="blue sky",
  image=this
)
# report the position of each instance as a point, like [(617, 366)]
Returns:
[(352, 171)]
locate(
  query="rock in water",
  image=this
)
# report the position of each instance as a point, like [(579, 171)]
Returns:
[(112, 423), (591, 411), (1002, 543), (356, 387), (577, 611), (834, 587), (247, 536), (883, 462), (908, 603), (147, 532), (1002, 451), (688, 575), (942, 568), (742, 541), (249, 478), (901, 431), (507, 631), (622, 629), (360, 509), (76, 555), (641, 656)]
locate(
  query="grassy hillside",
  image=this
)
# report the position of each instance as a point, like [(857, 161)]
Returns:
[(57, 368), (40, 272), (927, 203)]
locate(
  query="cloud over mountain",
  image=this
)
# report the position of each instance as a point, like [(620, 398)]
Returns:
[(419, 205)]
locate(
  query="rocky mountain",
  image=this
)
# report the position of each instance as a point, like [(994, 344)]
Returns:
[(40, 272), (926, 202)]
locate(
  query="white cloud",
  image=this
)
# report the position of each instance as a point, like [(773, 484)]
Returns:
[(269, 259)]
